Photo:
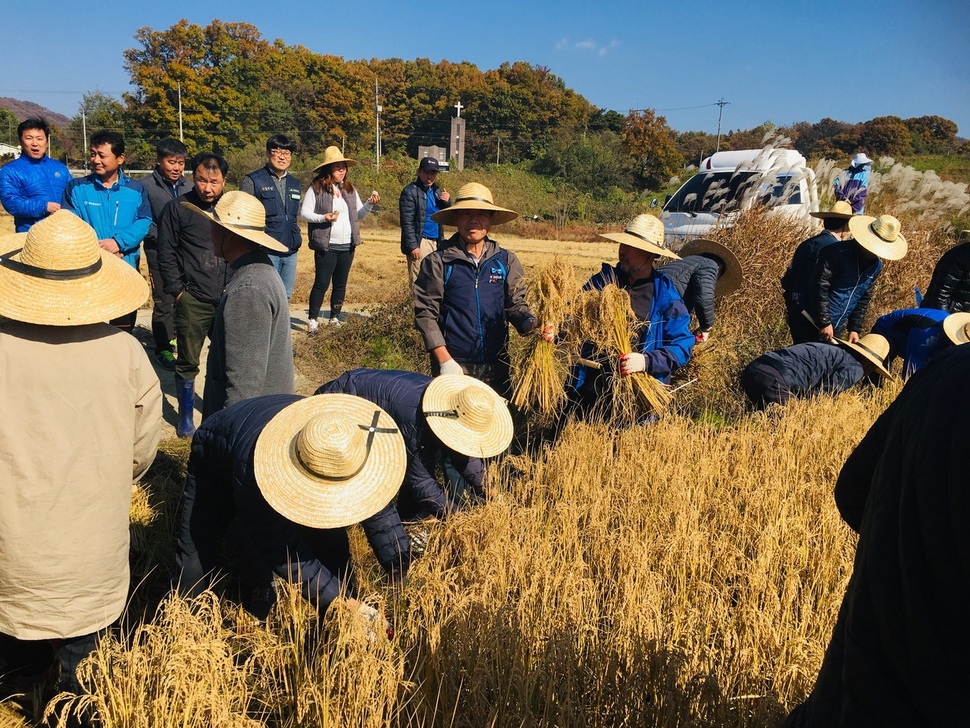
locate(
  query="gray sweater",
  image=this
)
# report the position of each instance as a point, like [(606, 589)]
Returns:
[(251, 353)]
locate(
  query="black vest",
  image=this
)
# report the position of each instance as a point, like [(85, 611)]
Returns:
[(282, 220)]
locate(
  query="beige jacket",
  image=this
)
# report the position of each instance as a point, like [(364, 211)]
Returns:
[(80, 416)]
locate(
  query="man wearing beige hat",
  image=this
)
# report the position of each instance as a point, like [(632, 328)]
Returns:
[(469, 290), (290, 473), (80, 417), (846, 271), (251, 353)]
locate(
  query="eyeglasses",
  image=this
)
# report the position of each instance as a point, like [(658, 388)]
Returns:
[(284, 153)]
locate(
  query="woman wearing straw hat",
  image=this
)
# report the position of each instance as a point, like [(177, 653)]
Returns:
[(919, 334), (469, 290), (82, 412), (846, 271), (291, 473), (455, 418), (797, 280), (814, 367), (706, 272), (333, 210)]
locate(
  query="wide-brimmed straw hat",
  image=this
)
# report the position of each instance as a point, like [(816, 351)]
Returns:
[(467, 415), (329, 460), (645, 232), (728, 281), (333, 155), (956, 326), (840, 209), (244, 215), (56, 274), (873, 347), (859, 159), (474, 196), (879, 235)]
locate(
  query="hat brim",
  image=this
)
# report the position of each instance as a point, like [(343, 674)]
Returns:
[(867, 355), (955, 327), (114, 290), (732, 277), (254, 236), (500, 215), (304, 497), (349, 162), (439, 397), (634, 242), (859, 227)]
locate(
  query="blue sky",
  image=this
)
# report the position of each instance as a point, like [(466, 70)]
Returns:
[(777, 61)]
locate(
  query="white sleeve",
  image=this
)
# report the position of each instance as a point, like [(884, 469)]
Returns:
[(309, 205)]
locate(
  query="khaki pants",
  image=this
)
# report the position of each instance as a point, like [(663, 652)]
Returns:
[(426, 247)]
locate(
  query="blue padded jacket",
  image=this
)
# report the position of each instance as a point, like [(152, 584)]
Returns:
[(27, 185)]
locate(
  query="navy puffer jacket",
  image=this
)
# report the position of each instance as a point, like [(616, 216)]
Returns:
[(950, 286), (694, 277)]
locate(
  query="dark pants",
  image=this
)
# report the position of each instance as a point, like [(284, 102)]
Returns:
[(193, 322), (330, 267), (764, 385), (28, 661), (802, 330), (163, 306)]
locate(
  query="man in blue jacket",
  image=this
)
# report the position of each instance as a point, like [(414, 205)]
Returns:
[(919, 334), (420, 235), (289, 474), (280, 192), (116, 206), (31, 186)]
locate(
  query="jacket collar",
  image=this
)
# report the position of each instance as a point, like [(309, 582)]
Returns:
[(453, 250)]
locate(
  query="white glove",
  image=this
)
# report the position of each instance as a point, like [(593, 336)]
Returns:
[(451, 367), (630, 363), (702, 335)]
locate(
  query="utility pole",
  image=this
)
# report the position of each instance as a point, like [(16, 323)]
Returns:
[(377, 125), (84, 133), (721, 103), (181, 136)]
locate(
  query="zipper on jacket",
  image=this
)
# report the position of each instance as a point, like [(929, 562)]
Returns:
[(481, 329), (117, 206)]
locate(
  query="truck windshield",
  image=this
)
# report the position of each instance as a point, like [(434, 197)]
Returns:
[(713, 192)]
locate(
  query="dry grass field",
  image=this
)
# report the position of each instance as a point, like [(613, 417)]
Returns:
[(682, 573)]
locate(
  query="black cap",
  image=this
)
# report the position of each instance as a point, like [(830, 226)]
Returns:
[(429, 164)]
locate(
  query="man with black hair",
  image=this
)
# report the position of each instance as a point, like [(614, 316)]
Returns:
[(164, 184), (31, 186), (422, 198), (115, 205), (280, 194), (193, 274)]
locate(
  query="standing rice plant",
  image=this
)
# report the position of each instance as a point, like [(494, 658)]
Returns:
[(541, 367)]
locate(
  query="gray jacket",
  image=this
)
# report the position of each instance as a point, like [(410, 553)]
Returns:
[(251, 353), (159, 195), (694, 277)]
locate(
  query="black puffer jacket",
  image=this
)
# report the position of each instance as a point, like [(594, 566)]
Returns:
[(413, 208), (950, 286), (694, 277), (898, 655), (399, 394)]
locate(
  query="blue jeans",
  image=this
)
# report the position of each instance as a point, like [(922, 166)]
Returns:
[(286, 266)]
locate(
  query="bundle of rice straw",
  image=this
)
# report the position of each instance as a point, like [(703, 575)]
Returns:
[(605, 319), (541, 367)]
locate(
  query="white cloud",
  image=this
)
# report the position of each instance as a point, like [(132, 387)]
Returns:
[(587, 45)]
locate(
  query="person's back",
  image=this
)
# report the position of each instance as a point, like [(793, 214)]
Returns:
[(915, 334), (694, 278), (949, 288)]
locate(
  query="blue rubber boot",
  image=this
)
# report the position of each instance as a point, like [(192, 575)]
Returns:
[(185, 393)]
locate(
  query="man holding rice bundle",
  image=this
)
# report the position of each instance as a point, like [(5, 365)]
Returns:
[(665, 340)]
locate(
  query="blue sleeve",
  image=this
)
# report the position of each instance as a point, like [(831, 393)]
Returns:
[(130, 237), (68, 202), (14, 198), (676, 344)]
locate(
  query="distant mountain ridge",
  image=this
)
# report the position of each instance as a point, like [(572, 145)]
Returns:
[(24, 109)]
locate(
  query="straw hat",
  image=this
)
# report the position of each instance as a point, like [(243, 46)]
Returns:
[(329, 460), (56, 274), (646, 232), (956, 326), (467, 415), (873, 347), (333, 155), (840, 209), (244, 215), (879, 235), (728, 281), (474, 196)]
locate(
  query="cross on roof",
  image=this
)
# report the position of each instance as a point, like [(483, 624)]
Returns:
[(459, 107)]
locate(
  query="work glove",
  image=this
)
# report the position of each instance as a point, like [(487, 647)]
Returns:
[(548, 332), (702, 335), (451, 367), (631, 363)]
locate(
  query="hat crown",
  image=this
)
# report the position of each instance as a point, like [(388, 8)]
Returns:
[(648, 228), (475, 408), (475, 192), (62, 241), (331, 445), (885, 227), (841, 207), (877, 344), (242, 210), (332, 155)]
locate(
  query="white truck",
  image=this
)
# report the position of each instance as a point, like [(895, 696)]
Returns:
[(729, 182)]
